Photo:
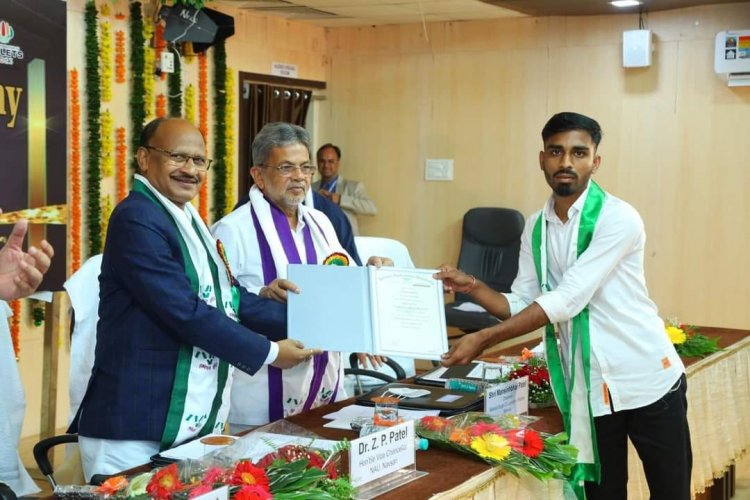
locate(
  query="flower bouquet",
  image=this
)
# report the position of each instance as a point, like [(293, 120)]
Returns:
[(688, 342), (504, 441), (533, 366), (260, 465)]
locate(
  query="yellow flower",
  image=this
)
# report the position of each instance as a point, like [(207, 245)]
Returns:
[(676, 335), (491, 446)]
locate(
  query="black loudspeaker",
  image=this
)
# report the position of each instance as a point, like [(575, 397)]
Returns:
[(200, 28)]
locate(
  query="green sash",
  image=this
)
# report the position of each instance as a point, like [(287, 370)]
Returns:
[(579, 334), (176, 416)]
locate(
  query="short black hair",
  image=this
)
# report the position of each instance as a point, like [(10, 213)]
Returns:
[(329, 145), (149, 130), (566, 121)]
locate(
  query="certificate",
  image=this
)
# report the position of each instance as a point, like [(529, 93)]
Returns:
[(386, 310)]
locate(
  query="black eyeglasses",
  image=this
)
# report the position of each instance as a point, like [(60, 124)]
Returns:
[(286, 169), (181, 159)]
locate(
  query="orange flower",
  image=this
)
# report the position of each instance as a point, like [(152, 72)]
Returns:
[(15, 327), (460, 436), (112, 485), (435, 423), (245, 473), (164, 482), (526, 354), (75, 172)]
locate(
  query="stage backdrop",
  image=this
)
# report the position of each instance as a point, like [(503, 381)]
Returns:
[(32, 124)]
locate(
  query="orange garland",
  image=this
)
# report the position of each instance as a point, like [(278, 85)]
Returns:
[(120, 56), (75, 172), (203, 126), (15, 327), (159, 45), (161, 106), (121, 163)]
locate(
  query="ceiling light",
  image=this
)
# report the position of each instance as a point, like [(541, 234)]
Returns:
[(625, 3)]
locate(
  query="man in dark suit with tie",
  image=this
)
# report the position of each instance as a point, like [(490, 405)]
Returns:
[(172, 319)]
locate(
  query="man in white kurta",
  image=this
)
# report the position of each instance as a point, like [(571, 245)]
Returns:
[(260, 238)]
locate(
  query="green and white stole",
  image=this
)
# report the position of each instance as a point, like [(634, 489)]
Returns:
[(572, 397), (200, 394)]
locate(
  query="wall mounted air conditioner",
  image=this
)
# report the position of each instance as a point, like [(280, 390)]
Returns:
[(732, 56)]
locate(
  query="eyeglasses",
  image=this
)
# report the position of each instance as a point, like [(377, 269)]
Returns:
[(181, 159), (286, 169)]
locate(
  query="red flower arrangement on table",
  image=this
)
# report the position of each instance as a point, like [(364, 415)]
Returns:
[(534, 367), (503, 441), (290, 472)]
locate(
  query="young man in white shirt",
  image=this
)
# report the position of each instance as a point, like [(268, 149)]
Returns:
[(615, 373)]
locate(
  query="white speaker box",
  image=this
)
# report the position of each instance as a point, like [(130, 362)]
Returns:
[(636, 48)]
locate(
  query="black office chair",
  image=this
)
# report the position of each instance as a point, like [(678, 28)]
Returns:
[(360, 387), (41, 454), (490, 243)]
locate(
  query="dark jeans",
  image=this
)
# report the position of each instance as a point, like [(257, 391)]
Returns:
[(661, 437)]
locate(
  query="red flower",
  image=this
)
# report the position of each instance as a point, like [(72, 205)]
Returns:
[(214, 475), (435, 423), (482, 428), (165, 482), (200, 490), (252, 492), (245, 473), (515, 439), (532, 443)]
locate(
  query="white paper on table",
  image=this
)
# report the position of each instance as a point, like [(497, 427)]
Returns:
[(435, 375), (386, 311), (470, 307)]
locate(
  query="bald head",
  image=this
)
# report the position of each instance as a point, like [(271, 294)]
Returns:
[(170, 157)]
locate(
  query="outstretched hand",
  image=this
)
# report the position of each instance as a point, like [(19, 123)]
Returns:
[(22, 272), (291, 353), (454, 280), (278, 290), (465, 350)]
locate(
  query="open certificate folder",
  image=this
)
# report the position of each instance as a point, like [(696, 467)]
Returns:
[(386, 311)]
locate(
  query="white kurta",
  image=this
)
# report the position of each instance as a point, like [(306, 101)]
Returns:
[(250, 398), (12, 407)]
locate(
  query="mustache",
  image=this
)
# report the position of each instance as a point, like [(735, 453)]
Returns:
[(297, 185), (567, 171), (187, 178)]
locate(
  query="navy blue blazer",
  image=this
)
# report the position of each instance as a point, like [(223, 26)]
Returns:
[(147, 309), (338, 218)]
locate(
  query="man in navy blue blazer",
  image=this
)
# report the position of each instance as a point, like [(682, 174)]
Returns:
[(171, 315)]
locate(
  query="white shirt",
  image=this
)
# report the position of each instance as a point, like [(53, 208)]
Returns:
[(630, 351)]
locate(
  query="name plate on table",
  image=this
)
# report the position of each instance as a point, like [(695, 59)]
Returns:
[(386, 310), (381, 453), (507, 397)]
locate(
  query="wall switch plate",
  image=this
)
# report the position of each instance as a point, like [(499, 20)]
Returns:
[(438, 170), (167, 62)]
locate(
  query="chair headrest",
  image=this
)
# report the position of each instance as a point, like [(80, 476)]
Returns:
[(493, 226)]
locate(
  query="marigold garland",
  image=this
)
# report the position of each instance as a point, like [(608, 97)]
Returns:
[(121, 161), (138, 96), (93, 102), (188, 104), (107, 207), (105, 59), (230, 143), (15, 327), (203, 126), (161, 105), (149, 64), (75, 172), (120, 56), (159, 45), (219, 173), (108, 147)]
